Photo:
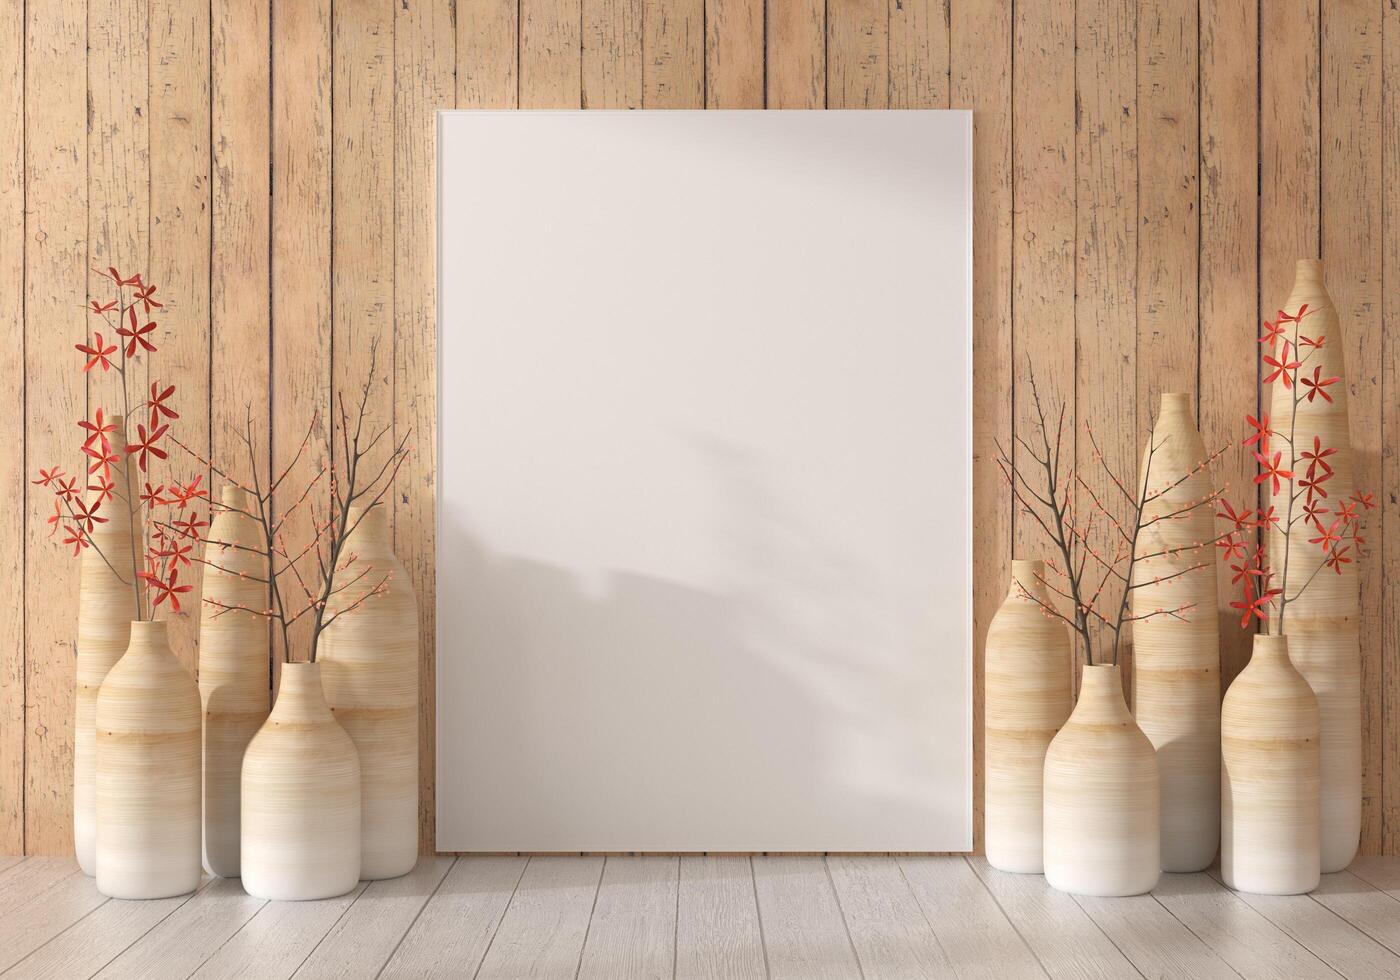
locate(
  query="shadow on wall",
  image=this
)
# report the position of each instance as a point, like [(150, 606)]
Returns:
[(650, 715)]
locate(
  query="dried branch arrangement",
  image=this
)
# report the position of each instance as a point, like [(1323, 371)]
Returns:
[(1297, 475), (1095, 541), (303, 576)]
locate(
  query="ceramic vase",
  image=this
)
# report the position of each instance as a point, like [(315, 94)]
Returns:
[(148, 772), (106, 607), (1102, 807), (1323, 623), (1028, 697), (300, 820), (233, 671), (1270, 778), (369, 658), (1176, 661)]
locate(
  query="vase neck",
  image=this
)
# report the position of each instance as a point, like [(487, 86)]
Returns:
[(1270, 649), (370, 534), (1308, 270), (1101, 697), (300, 697), (149, 638), (1027, 575)]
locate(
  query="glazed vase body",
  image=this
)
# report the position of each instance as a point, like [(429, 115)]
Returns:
[(1176, 661), (1270, 778), (1028, 697), (1102, 807), (369, 659), (1323, 623), (106, 607), (148, 722), (300, 799), (233, 672)]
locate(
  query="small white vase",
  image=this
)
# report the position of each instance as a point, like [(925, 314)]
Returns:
[(1270, 777), (1102, 806), (1028, 697), (300, 826), (148, 752)]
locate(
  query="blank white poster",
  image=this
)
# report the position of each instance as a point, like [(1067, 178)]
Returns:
[(704, 494)]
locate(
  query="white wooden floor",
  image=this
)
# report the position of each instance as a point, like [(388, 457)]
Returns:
[(722, 917)]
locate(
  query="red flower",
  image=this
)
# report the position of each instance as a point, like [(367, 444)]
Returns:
[(99, 427), (1240, 520), (1366, 500), (66, 489), (1283, 368), (189, 491), (55, 517), (151, 497), (1347, 512), (1327, 536), (97, 353), (116, 277), (166, 589), (47, 476), (101, 308), (1230, 547), (1245, 569), (1266, 518), (1313, 484), (1318, 456), (146, 443), (1296, 317), (86, 516), (104, 488), (178, 552), (1272, 334), (1338, 558), (144, 294), (102, 459), (1310, 342), (189, 525), (1262, 432), (1254, 605), (1312, 512), (1317, 384), (136, 336), (157, 403), (1272, 470), (76, 538)]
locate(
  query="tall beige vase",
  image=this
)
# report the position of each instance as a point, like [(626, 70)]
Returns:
[(370, 671), (1028, 697), (233, 671), (1102, 806), (1176, 662), (106, 607), (1270, 779), (1323, 624), (300, 798), (148, 772)]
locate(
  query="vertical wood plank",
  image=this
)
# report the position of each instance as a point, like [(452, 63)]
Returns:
[(239, 262), (55, 283), (302, 351), (1229, 266), (1389, 497), (857, 55), (13, 460), (795, 55), (1107, 246), (1351, 254), (1043, 229), (362, 212), (919, 53), (1289, 145), (734, 54), (551, 66), (180, 237), (1168, 191), (487, 49), (424, 69), (981, 81), (612, 54), (673, 54)]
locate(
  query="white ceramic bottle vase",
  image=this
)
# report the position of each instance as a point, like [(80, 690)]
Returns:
[(1028, 698), (1102, 806)]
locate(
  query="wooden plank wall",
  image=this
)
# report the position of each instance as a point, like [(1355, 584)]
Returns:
[(1147, 171)]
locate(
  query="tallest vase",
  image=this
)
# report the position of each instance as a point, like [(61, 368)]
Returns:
[(1322, 625), (107, 603)]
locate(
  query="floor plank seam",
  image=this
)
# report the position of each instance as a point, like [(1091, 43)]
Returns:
[(676, 923), (840, 908), (758, 910), (416, 916), (155, 925), (1199, 938), (1113, 942), (1010, 920), (364, 887), (505, 910), (947, 957), (597, 890), (227, 939)]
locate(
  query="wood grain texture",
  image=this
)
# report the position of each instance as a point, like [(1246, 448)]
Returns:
[(890, 932), (857, 55), (543, 932), (734, 54), (795, 54), (717, 928), (1390, 430), (1153, 939), (457, 926), (632, 931), (673, 54), (804, 929), (919, 54), (551, 66), (612, 54)]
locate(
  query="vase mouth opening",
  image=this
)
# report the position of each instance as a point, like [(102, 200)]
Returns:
[(233, 495), (1027, 567)]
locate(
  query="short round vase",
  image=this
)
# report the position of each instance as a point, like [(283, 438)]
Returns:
[(1102, 805), (1270, 777), (300, 799), (148, 719)]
